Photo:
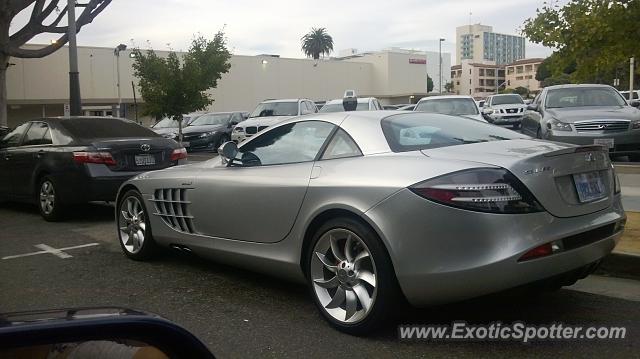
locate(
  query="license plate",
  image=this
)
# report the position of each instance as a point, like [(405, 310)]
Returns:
[(145, 160), (605, 142), (589, 186)]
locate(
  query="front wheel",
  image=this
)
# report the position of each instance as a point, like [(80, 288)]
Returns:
[(351, 276), (49, 203), (134, 229)]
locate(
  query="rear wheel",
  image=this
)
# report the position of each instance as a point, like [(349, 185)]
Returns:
[(134, 230), (51, 207), (351, 276)]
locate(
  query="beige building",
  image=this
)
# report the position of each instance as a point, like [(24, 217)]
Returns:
[(522, 73), (478, 80), (40, 87), (479, 44)]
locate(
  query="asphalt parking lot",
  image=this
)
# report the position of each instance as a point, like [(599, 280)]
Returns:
[(239, 313)]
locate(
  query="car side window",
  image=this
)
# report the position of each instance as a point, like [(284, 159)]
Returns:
[(291, 143), (341, 146), (38, 134), (12, 139), (312, 107)]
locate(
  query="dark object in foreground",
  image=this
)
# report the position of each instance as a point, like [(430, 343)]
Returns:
[(88, 332)]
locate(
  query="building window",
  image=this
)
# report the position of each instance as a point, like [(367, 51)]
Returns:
[(481, 72), (491, 72), (519, 69), (528, 68), (510, 70), (519, 78), (458, 83), (481, 82), (501, 73), (529, 77)]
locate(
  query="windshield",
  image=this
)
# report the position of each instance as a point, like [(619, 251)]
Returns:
[(212, 119), (166, 123), (583, 97), (506, 100), (338, 107), (419, 131), (449, 106), (267, 109)]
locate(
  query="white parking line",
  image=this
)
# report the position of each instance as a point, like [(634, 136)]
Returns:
[(58, 252)]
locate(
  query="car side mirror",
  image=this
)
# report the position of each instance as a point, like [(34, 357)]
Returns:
[(532, 107), (228, 151), (634, 103)]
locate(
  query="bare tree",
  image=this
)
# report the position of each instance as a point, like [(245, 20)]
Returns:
[(46, 17)]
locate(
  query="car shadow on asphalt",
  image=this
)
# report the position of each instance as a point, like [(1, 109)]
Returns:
[(82, 213)]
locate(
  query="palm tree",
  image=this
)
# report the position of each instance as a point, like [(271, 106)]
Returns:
[(317, 42)]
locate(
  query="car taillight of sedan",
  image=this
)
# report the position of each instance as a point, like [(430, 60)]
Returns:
[(94, 157), (179, 154), (484, 190)]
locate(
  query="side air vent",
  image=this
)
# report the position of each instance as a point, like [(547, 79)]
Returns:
[(172, 205)]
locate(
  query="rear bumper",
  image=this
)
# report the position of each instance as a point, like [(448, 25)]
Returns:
[(443, 254)]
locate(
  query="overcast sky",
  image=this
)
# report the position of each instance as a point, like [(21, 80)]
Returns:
[(275, 27)]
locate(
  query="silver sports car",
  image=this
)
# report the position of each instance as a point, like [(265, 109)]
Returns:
[(373, 206)]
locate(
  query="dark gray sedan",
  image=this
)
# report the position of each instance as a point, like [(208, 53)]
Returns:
[(586, 114)]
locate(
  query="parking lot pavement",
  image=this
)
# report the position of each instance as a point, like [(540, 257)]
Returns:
[(239, 313)]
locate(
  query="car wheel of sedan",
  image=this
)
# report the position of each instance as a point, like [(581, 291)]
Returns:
[(134, 230), (49, 204), (351, 276)]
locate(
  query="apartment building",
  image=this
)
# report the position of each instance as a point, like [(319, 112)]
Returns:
[(478, 43), (522, 73), (478, 80)]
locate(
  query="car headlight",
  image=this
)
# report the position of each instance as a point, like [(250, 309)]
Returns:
[(207, 134), (238, 129), (554, 124), (635, 125), (488, 111)]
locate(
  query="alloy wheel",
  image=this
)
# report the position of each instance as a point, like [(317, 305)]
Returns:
[(132, 224), (47, 197), (344, 275)]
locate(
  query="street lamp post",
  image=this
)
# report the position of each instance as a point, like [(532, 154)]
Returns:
[(75, 104), (116, 52), (440, 65)]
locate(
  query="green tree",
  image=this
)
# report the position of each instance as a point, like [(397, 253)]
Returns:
[(44, 18), (175, 85), (448, 87), (544, 69), (429, 84), (591, 37), (317, 42), (556, 80), (522, 91), (506, 90)]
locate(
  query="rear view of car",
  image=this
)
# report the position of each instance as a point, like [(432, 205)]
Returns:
[(61, 161)]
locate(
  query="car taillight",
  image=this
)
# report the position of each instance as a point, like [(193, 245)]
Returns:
[(541, 251), (484, 190), (179, 154), (94, 157)]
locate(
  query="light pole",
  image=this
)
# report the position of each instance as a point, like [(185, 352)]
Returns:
[(440, 65), (116, 52), (75, 104)]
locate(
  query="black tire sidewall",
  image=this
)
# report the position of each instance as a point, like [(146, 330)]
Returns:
[(149, 246), (58, 206), (387, 286)]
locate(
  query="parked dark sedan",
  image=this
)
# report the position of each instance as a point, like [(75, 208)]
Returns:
[(55, 162), (583, 115), (210, 130), (168, 127)]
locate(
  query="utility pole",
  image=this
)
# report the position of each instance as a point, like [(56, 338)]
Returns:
[(631, 68), (74, 76), (116, 52), (440, 66)]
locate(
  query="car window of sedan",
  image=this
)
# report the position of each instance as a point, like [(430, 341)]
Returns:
[(291, 143), (38, 134), (341, 146), (13, 138)]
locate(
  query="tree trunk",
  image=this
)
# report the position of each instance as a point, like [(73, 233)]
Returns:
[(4, 60)]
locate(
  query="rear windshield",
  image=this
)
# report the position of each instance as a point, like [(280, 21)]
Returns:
[(85, 128), (506, 100), (419, 131), (449, 106)]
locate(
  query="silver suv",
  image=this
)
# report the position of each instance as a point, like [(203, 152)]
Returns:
[(506, 109)]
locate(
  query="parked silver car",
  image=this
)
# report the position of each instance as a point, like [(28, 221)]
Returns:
[(455, 105), (269, 113), (370, 206), (586, 114)]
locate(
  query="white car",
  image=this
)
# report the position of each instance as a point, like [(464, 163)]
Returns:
[(625, 94), (456, 105), (269, 113), (504, 109), (364, 104)]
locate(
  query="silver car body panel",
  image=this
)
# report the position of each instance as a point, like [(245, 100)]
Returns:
[(258, 218)]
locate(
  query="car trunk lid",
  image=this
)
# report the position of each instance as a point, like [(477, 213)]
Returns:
[(553, 172), (137, 154)]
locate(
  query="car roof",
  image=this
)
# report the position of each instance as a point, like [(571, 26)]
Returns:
[(576, 86), (286, 100), (339, 100), (445, 97)]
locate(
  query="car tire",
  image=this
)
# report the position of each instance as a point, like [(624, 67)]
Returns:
[(365, 276), (50, 205), (134, 229)]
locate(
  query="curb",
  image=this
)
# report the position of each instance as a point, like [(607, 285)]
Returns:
[(620, 264), (627, 169)]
